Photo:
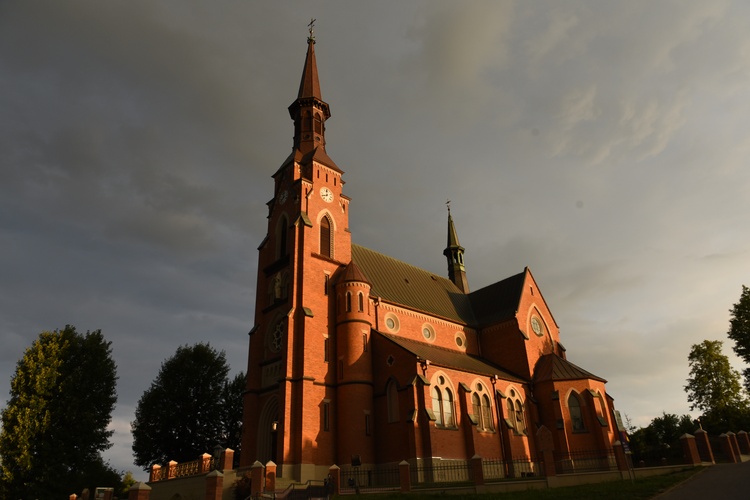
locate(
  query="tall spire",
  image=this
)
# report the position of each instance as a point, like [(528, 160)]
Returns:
[(455, 255), (309, 111)]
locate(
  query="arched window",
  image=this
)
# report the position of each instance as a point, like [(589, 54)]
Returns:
[(487, 414), (325, 237), (520, 421), (361, 302), (437, 405), (480, 402), (348, 301), (511, 418), (392, 399), (448, 409), (476, 407), (442, 402), (576, 415)]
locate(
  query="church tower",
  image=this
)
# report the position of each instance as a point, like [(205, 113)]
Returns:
[(289, 402), (454, 252)]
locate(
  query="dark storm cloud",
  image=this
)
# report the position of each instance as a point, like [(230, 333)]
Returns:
[(603, 145)]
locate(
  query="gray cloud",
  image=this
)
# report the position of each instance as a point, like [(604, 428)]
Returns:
[(603, 145)]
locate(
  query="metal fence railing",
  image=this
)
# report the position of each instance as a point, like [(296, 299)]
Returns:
[(498, 469), (585, 461), (440, 472), (370, 478)]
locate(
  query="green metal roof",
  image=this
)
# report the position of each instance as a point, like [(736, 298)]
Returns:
[(449, 358), (553, 367), (400, 283)]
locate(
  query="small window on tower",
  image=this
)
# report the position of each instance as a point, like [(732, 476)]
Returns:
[(327, 282), (361, 302)]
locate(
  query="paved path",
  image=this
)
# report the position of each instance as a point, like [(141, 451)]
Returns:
[(723, 481)]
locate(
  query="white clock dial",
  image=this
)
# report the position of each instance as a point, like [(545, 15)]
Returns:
[(326, 194)]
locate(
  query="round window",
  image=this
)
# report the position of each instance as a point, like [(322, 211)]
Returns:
[(428, 332), (391, 322), (460, 339)]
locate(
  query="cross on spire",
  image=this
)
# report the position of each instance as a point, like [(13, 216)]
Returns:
[(310, 26)]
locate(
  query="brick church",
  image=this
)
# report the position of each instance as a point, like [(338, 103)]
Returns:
[(355, 355)]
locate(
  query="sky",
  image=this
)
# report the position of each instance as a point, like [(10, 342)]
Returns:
[(601, 144)]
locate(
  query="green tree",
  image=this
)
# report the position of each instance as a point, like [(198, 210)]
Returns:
[(739, 330), (188, 409), (714, 388), (54, 427)]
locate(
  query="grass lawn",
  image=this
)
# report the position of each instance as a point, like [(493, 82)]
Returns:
[(641, 489)]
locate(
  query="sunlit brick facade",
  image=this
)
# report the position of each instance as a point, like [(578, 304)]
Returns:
[(356, 354)]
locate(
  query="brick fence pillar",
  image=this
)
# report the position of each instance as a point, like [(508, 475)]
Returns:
[(690, 449), (744, 441), (477, 471), (205, 460), (404, 476), (155, 473), (171, 469), (256, 479), (334, 479), (214, 485), (139, 491), (620, 457), (270, 476), (226, 460), (727, 449), (704, 446)]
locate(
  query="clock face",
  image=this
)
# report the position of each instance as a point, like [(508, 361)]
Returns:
[(536, 325), (283, 196), (326, 194)]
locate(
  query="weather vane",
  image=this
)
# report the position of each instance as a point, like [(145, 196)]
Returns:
[(448, 204), (311, 38)]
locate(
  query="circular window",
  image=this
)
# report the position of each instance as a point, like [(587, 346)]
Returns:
[(460, 340), (428, 332), (536, 326), (391, 322)]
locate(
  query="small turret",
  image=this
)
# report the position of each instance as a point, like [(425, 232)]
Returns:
[(455, 254)]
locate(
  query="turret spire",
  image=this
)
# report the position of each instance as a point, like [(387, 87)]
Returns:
[(455, 255), (309, 111)]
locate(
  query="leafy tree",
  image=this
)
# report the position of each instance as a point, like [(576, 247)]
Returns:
[(739, 330), (714, 388), (55, 425), (126, 482), (189, 408), (661, 438)]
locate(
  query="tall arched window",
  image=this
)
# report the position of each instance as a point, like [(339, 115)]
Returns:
[(520, 421), (442, 402), (576, 415), (348, 301), (437, 405), (487, 414), (360, 302), (476, 407), (480, 402), (325, 237)]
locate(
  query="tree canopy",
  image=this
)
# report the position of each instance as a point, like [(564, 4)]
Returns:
[(714, 388), (189, 408), (739, 330), (54, 427)]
